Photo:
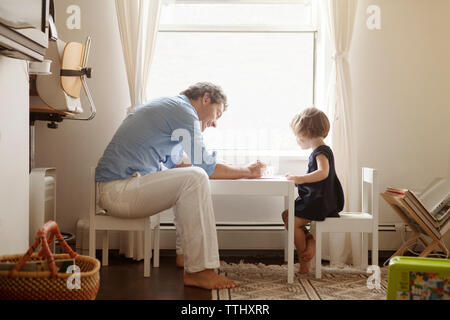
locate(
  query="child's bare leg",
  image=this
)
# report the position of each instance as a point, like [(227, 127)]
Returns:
[(305, 263), (308, 254), (310, 250), (284, 216), (300, 242)]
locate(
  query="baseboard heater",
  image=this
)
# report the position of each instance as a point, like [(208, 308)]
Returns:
[(235, 226), (273, 226)]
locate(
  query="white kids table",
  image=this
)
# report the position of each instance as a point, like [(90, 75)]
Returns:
[(276, 186)]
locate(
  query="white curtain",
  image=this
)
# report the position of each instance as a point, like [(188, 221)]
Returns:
[(338, 18), (138, 26)]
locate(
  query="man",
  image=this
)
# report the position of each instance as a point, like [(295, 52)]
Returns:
[(132, 183)]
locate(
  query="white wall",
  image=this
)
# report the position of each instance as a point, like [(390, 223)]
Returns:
[(401, 96), (77, 145), (14, 145), (401, 87)]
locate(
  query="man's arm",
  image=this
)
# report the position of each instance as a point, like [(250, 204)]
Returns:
[(223, 171)]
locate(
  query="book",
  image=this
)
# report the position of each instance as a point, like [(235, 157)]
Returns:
[(436, 198), (422, 217), (421, 211), (396, 191), (432, 206), (410, 220)]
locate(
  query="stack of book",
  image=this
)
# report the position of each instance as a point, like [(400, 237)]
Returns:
[(432, 206)]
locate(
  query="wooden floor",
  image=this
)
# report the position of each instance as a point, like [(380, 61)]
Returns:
[(124, 278)]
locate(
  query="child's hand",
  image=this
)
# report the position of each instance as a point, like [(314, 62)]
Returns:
[(289, 176), (296, 179)]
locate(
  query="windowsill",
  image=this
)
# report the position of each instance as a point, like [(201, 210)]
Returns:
[(285, 155)]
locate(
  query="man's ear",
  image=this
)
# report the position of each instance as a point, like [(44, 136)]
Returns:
[(206, 98)]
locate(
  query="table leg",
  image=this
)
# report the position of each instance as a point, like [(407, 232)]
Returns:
[(286, 243), (286, 233), (290, 207)]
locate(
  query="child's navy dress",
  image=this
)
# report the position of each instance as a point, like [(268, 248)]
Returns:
[(322, 199)]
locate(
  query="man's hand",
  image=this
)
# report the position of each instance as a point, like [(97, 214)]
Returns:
[(183, 165), (185, 161), (256, 170)]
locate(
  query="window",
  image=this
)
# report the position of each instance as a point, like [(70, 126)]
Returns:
[(262, 53)]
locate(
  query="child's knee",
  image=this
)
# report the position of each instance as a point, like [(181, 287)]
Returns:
[(300, 223)]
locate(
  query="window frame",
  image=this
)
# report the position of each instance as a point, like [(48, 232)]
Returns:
[(218, 28)]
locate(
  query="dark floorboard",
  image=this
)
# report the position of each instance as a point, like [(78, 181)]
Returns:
[(123, 279)]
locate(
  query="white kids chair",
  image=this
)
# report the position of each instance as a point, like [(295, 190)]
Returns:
[(98, 220), (364, 222)]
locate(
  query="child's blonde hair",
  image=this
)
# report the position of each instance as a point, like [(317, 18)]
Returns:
[(311, 123)]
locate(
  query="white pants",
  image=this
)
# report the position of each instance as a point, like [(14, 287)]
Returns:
[(185, 189)]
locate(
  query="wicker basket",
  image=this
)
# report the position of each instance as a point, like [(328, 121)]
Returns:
[(49, 285)]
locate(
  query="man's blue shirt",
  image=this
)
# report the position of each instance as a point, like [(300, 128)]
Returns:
[(150, 137)]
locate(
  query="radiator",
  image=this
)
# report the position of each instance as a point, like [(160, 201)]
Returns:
[(42, 199)]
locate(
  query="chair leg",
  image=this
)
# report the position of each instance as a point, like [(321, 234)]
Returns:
[(131, 236), (364, 251), (318, 251), (91, 240), (156, 246), (375, 247), (313, 232), (105, 248), (147, 248)]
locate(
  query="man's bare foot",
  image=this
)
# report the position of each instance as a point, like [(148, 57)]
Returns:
[(310, 250), (180, 260), (304, 267), (208, 279)]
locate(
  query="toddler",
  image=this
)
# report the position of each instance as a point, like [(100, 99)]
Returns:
[(320, 192)]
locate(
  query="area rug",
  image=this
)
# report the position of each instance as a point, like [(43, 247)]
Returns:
[(269, 282)]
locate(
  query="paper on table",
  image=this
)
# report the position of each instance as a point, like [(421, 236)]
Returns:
[(277, 177)]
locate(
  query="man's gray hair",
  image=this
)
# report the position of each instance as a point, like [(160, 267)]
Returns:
[(199, 89)]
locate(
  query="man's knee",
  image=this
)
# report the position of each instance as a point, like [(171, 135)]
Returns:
[(198, 174)]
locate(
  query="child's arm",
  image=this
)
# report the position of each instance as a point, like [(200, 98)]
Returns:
[(323, 168)]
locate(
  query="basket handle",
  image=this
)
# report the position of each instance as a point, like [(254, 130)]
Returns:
[(49, 228)]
